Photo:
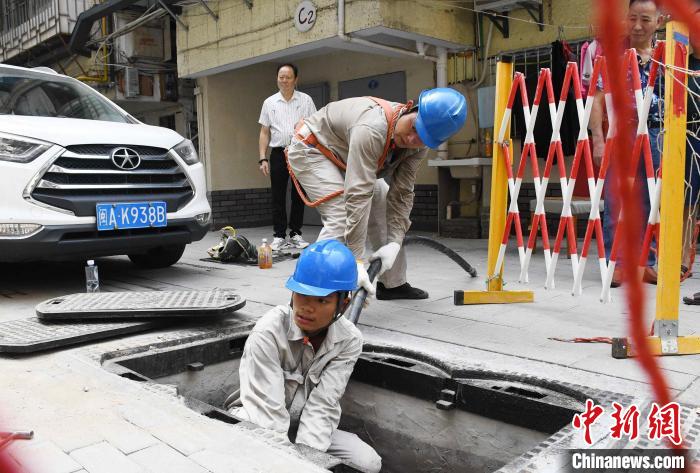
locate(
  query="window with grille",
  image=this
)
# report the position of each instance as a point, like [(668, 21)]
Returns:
[(14, 13)]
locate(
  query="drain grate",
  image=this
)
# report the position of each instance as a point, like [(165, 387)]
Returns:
[(32, 335), (151, 304)]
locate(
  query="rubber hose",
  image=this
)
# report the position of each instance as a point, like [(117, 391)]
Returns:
[(359, 298), (436, 245)]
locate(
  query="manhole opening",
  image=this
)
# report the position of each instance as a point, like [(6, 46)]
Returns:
[(525, 392), (415, 415)]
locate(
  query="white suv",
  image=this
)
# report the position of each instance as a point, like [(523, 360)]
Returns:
[(82, 178)]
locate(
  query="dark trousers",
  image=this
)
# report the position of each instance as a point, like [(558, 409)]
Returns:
[(279, 177)]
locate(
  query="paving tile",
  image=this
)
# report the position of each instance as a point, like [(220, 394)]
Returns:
[(481, 311), (143, 417), (238, 459), (73, 439), (188, 444), (163, 459), (43, 457), (690, 394), (126, 437), (630, 369), (104, 458), (218, 462), (681, 364), (509, 337)]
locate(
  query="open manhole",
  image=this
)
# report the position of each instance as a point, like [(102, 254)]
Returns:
[(417, 416)]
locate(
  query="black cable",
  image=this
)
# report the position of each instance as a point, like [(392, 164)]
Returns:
[(360, 295), (436, 245)]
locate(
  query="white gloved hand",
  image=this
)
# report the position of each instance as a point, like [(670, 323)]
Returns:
[(363, 279), (387, 254)]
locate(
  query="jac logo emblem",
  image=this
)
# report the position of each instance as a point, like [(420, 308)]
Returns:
[(126, 158)]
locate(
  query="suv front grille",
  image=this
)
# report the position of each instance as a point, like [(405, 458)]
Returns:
[(85, 175), (107, 149)]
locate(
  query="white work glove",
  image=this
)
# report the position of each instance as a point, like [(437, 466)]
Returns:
[(363, 280), (387, 254)]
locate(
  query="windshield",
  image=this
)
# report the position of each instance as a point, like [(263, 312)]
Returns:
[(40, 95)]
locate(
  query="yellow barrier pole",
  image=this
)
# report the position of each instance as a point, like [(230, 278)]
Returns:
[(499, 202), (672, 188), (666, 340), (499, 176)]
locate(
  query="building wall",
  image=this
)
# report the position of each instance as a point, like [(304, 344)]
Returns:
[(242, 33), (230, 101), (437, 19), (34, 23), (74, 66), (230, 108), (575, 17), (228, 113), (234, 98)]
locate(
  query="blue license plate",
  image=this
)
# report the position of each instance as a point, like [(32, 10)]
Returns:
[(123, 215)]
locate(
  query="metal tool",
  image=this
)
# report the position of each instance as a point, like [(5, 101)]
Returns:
[(358, 299), (7, 437)]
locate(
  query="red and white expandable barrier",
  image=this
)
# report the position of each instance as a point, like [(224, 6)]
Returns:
[(567, 182)]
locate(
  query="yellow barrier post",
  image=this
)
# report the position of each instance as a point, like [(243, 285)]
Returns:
[(499, 201), (666, 340)]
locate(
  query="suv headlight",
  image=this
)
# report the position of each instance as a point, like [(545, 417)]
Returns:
[(187, 152), (18, 230), (18, 149)]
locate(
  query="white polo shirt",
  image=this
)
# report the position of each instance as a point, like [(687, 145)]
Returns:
[(281, 116)]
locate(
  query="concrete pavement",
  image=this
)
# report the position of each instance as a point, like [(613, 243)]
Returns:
[(87, 419)]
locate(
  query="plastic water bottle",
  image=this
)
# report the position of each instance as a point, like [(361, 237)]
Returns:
[(264, 255), (92, 279)]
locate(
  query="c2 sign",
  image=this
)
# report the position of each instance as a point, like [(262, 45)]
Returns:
[(305, 16)]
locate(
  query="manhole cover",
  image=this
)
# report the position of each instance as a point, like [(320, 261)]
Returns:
[(32, 335), (152, 304)]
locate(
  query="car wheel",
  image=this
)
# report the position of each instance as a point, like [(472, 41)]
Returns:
[(159, 257)]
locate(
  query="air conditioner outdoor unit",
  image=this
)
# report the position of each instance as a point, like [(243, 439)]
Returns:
[(146, 41), (131, 82)]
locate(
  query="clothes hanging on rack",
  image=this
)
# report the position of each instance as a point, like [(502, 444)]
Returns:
[(589, 53), (561, 55)]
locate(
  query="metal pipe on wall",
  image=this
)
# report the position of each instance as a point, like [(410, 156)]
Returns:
[(441, 81)]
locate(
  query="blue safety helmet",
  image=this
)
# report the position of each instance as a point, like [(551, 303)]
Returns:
[(325, 267), (441, 114)]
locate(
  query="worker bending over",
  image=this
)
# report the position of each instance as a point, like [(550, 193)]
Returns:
[(356, 160), (298, 358)]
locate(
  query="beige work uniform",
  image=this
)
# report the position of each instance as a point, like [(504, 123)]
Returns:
[(283, 379), (355, 130)]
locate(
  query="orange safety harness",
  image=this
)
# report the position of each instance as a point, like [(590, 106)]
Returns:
[(392, 116)]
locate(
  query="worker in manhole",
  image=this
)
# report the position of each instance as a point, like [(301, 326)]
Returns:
[(299, 357), (341, 158)]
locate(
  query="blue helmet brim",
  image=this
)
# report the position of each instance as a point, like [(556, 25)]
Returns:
[(307, 289), (428, 140)]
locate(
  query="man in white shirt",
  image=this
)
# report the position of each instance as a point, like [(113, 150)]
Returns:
[(279, 114)]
